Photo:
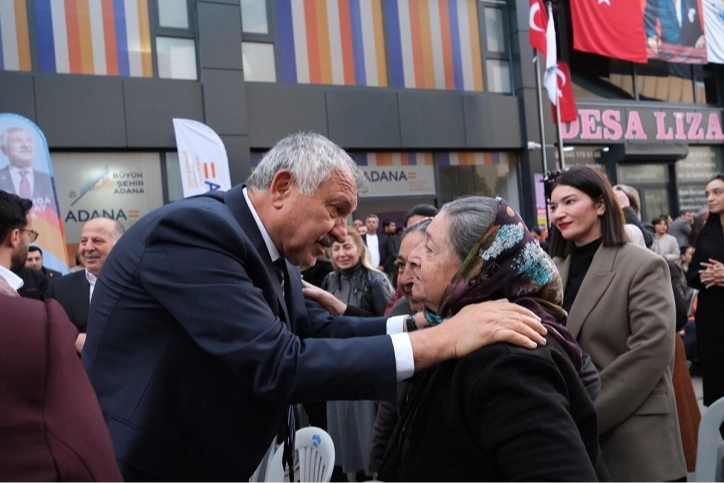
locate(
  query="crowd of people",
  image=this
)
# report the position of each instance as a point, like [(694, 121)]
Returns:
[(459, 346)]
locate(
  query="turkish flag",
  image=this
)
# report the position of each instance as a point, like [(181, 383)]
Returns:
[(537, 23), (612, 28), (566, 99)]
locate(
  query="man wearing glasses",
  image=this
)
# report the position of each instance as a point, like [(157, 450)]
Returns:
[(16, 235)]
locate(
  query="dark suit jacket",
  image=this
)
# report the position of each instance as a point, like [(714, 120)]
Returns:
[(35, 284), (503, 413), (188, 353), (42, 186), (51, 273), (72, 291), (387, 251), (51, 427)]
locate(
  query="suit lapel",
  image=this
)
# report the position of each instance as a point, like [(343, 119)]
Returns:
[(236, 203), (594, 286)]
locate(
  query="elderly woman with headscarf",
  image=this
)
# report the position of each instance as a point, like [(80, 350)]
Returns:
[(502, 413)]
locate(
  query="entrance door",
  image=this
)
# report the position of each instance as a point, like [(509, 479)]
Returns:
[(655, 201), (652, 181)]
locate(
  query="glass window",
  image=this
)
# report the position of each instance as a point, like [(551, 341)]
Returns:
[(173, 177), (498, 72), (492, 174), (495, 29), (173, 13), (253, 17), (642, 173), (259, 63), (176, 58)]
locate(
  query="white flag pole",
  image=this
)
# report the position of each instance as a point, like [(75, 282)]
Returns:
[(539, 93)]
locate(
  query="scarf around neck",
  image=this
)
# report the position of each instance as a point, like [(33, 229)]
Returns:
[(507, 262)]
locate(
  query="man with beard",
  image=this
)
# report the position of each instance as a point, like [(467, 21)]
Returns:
[(16, 235)]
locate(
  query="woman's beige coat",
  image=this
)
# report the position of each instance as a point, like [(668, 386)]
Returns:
[(624, 316)]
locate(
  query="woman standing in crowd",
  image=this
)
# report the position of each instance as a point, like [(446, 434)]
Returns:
[(503, 413), (621, 310), (628, 199), (706, 273), (357, 284), (664, 244)]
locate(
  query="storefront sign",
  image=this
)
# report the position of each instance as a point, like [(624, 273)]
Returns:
[(619, 124), (397, 174)]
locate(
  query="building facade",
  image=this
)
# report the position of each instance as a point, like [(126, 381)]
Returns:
[(434, 99)]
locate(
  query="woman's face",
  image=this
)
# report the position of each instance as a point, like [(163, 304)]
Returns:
[(661, 227), (436, 263), (345, 255), (406, 269), (576, 215), (715, 196)]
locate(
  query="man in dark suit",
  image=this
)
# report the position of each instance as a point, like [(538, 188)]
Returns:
[(75, 290), (51, 427), (19, 177), (199, 338), (35, 261)]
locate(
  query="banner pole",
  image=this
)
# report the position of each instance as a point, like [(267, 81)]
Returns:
[(539, 93), (560, 138)]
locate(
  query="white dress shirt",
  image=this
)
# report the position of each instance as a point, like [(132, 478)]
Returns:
[(92, 281), (373, 247), (17, 175), (12, 279), (404, 361)]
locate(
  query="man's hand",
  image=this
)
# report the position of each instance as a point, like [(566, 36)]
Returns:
[(476, 326), (330, 303), (80, 342), (654, 42)]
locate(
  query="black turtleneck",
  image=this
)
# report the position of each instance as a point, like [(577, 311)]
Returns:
[(581, 260)]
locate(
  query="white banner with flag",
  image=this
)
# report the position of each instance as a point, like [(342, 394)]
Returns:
[(714, 22), (202, 158)]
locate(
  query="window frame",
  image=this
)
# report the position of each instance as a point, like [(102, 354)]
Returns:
[(506, 54), (190, 33)]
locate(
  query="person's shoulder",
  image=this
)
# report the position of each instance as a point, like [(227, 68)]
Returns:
[(68, 279)]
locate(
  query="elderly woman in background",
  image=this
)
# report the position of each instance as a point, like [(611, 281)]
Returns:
[(621, 310), (502, 413), (706, 273), (356, 283)]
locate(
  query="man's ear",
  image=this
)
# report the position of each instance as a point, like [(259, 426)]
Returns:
[(282, 187), (12, 239)]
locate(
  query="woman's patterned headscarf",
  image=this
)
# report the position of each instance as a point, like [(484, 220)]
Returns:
[(507, 262)]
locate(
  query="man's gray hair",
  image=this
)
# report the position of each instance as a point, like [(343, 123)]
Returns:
[(468, 218), (311, 158), (4, 134)]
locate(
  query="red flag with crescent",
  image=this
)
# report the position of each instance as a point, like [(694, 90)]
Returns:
[(537, 24), (565, 95)]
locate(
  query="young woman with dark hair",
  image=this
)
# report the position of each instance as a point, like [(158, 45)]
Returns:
[(621, 311)]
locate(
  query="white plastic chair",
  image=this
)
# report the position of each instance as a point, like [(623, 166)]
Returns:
[(260, 473), (313, 458), (710, 447)]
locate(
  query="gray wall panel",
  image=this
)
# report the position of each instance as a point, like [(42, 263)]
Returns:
[(491, 121), (431, 119), (276, 110), (225, 101), (81, 111), (18, 95), (364, 118), (238, 151), (152, 104), (220, 29)]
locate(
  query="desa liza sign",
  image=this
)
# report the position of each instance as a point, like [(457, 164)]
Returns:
[(596, 124)]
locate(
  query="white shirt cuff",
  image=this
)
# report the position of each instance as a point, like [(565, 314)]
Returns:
[(404, 362), (396, 324)]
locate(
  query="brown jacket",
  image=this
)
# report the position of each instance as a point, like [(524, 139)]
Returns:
[(51, 426), (624, 316)]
